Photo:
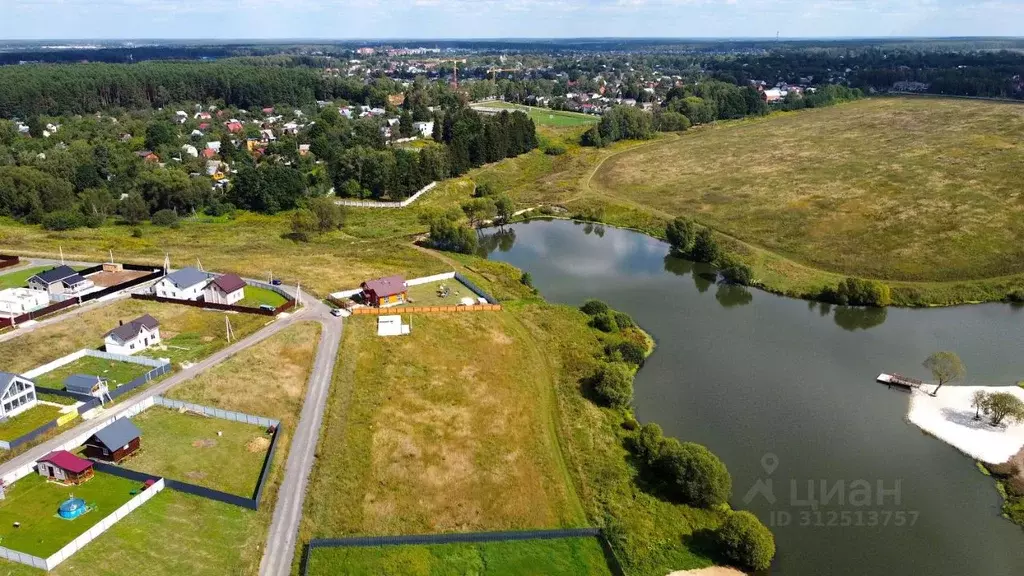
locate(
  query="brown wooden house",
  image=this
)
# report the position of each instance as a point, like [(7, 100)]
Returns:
[(64, 467), (386, 291), (115, 442)]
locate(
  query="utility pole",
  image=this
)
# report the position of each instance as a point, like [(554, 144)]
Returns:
[(61, 248), (111, 255), (167, 263), (228, 332), (199, 265)]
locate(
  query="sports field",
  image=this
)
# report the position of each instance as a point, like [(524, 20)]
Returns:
[(894, 188), (544, 116)]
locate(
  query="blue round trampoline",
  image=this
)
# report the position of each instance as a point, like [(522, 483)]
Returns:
[(72, 508)]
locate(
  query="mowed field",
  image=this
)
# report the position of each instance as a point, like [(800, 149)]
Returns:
[(448, 429), (893, 188), (544, 116)]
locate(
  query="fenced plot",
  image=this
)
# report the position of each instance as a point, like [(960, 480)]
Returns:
[(116, 372), (19, 425)]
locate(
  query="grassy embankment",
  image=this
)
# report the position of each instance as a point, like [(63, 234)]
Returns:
[(177, 533)]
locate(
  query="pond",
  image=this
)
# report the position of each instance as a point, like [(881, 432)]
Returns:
[(784, 391)]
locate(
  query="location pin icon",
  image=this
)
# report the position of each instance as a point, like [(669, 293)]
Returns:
[(769, 462)]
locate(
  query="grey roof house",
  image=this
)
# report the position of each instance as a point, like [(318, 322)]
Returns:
[(130, 337), (184, 284), (115, 442), (59, 280)]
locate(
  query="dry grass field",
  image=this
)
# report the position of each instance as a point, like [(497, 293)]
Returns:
[(448, 429), (899, 189)]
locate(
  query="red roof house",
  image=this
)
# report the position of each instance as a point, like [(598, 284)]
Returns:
[(385, 291), (63, 466), (234, 127), (268, 110), (209, 153), (204, 125), (224, 289)]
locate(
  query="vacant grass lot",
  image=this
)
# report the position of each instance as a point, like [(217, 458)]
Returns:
[(189, 333), (27, 421), (211, 452), (545, 116), (175, 533), (565, 557), (117, 373), (899, 189), (447, 429), (33, 502)]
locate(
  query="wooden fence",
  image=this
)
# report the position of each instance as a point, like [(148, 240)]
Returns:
[(425, 309), (6, 261)]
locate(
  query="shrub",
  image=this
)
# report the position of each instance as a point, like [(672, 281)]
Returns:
[(484, 190), (594, 307), (63, 220), (631, 352), (614, 385), (694, 475), (95, 219), (452, 237), (680, 234), (136, 232), (858, 292), (604, 323), (1015, 295), (164, 218), (630, 424), (546, 210), (623, 320), (554, 149), (133, 209), (746, 541), (705, 247), (736, 272), (671, 122), (647, 444), (527, 280)]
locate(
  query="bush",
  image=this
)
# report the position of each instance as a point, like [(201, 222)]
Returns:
[(133, 209), (63, 220), (554, 149), (484, 190), (623, 320), (136, 232), (614, 385), (746, 541), (217, 208), (735, 271), (631, 352), (546, 210), (527, 280), (95, 220), (705, 248), (681, 234), (594, 307), (671, 122), (604, 323), (858, 292), (647, 444), (1015, 295), (694, 475), (452, 237), (164, 218)]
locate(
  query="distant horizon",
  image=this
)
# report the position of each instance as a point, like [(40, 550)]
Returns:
[(413, 39), (372, 20)]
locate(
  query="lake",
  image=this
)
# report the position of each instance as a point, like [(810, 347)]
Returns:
[(784, 391)]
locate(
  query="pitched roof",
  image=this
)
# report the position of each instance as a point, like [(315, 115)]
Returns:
[(54, 275), (67, 461), (387, 286), (73, 279), (187, 277), (228, 283), (129, 330), (81, 383), (119, 433), (5, 380)]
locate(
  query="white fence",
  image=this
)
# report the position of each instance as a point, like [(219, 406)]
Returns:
[(375, 204), (216, 412), (414, 282), (88, 536), (51, 366)]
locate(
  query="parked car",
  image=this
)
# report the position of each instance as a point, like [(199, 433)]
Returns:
[(276, 281), (336, 312)]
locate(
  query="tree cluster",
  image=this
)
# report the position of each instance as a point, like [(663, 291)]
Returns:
[(686, 471), (858, 292)]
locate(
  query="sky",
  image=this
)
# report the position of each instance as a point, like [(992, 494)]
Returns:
[(426, 19)]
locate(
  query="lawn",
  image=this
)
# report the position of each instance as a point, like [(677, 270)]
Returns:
[(189, 333), (117, 373), (545, 116), (891, 188), (27, 421), (447, 429), (564, 557), (19, 278), (212, 452), (33, 502), (256, 296), (176, 533), (428, 294)]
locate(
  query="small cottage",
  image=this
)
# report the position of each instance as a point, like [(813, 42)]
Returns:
[(131, 337), (115, 442), (184, 284), (61, 280), (387, 291), (87, 384), (17, 394), (224, 289), (64, 467)]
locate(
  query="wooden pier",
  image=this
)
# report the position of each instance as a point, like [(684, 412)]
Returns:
[(906, 382)]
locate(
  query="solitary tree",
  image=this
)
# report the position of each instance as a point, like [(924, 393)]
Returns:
[(945, 367), (978, 401), (1002, 406)]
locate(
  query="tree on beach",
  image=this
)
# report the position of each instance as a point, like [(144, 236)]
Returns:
[(1002, 406), (978, 400), (945, 367)]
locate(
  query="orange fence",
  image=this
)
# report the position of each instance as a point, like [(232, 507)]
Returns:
[(417, 309)]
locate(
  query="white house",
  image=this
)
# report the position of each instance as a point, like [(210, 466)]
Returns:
[(62, 280), (190, 150), (184, 284), (215, 146), (17, 394), (424, 128), (131, 337), (17, 301), (224, 289), (180, 117)]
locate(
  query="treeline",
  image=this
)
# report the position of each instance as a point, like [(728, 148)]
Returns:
[(700, 104), (65, 89)]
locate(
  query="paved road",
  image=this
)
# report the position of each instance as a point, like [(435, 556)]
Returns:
[(44, 448), (284, 527)]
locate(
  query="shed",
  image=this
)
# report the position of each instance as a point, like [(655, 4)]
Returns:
[(86, 384), (64, 467), (114, 443), (386, 291), (391, 326)]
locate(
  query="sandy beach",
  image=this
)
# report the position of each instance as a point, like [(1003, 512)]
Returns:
[(950, 418), (711, 571)]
